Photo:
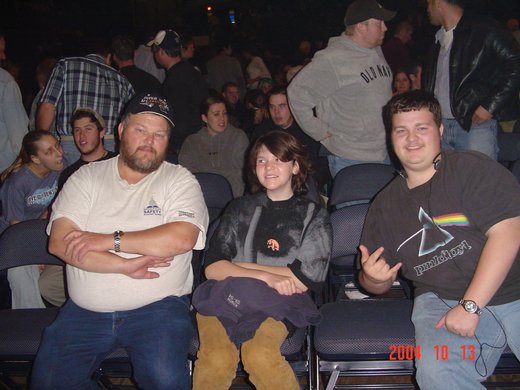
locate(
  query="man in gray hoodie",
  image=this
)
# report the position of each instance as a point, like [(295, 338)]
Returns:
[(337, 97)]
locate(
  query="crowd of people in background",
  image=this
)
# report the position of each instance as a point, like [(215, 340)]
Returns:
[(327, 97)]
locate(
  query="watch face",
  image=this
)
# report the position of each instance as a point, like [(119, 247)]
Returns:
[(470, 306)]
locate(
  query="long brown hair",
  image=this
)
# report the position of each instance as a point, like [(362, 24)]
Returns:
[(287, 148), (29, 148)]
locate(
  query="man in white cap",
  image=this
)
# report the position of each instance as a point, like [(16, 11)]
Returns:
[(346, 85), (126, 228)]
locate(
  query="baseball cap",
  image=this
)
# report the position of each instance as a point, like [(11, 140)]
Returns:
[(96, 115), (150, 103), (168, 40), (361, 10)]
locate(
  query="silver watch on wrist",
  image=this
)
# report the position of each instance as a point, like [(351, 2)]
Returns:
[(117, 240), (470, 306)]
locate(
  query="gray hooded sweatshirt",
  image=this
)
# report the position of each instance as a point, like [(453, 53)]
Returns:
[(347, 85)]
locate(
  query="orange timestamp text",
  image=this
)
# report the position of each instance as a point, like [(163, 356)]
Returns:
[(442, 352)]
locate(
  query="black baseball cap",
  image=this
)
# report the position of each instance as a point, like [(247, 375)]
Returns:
[(150, 103), (361, 10), (168, 40)]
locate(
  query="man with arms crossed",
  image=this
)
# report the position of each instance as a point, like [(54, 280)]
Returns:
[(126, 227), (451, 224)]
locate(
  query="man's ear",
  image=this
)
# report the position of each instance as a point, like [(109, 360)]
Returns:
[(120, 129), (441, 129)]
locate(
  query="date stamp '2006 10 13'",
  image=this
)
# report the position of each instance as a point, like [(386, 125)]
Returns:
[(442, 352)]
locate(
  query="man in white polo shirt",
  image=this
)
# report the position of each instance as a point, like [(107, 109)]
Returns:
[(126, 228)]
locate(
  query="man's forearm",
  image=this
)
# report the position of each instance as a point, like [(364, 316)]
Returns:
[(166, 240), (45, 116), (102, 262)]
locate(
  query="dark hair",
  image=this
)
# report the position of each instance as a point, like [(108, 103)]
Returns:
[(186, 40), (287, 148), (123, 47), (222, 43), (279, 90), (85, 113), (29, 149), (459, 3), (403, 25), (256, 98), (411, 101), (227, 85), (209, 101)]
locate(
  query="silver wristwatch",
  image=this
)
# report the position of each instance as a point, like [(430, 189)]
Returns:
[(470, 306), (117, 240)]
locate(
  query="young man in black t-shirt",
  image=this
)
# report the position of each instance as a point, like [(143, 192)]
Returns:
[(451, 224)]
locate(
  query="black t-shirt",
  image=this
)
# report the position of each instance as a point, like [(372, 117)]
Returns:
[(438, 230), (67, 172)]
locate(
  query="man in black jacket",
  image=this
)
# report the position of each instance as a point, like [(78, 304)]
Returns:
[(474, 70)]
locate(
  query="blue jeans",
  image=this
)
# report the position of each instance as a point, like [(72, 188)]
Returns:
[(156, 338), (450, 361), (336, 163), (482, 138)]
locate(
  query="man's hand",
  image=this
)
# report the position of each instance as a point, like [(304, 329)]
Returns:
[(459, 321), (285, 285), (480, 115), (138, 267), (79, 243), (375, 268)]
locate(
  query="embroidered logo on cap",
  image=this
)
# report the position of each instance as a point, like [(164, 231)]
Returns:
[(151, 101)]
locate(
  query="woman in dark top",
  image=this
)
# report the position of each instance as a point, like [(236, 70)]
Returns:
[(276, 236)]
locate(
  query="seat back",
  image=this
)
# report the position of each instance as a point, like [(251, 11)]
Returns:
[(347, 226), (509, 147), (359, 183), (216, 191), (25, 243)]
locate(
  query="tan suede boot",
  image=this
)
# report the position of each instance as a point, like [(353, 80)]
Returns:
[(217, 359), (267, 368)]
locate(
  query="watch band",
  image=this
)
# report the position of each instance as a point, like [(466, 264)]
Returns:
[(117, 240)]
